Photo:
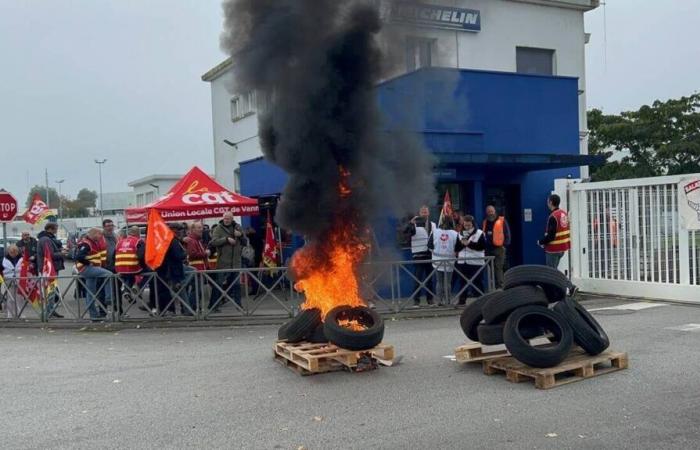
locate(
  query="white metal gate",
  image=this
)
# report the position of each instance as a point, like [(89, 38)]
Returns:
[(627, 239)]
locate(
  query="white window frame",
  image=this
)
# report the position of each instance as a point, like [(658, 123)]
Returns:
[(243, 105)]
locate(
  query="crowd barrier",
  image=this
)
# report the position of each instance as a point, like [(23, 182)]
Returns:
[(388, 286)]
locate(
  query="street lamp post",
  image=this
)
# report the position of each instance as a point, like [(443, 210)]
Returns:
[(99, 163), (60, 201)]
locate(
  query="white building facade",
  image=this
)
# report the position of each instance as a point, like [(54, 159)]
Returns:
[(152, 187), (545, 37)]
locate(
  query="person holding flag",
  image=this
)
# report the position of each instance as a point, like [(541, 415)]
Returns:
[(446, 245), (49, 247)]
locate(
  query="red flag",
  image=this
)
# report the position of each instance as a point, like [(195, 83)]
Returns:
[(158, 238), (37, 211), (28, 285), (446, 207), (270, 253), (48, 271)]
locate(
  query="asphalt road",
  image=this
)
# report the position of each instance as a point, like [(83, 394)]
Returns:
[(220, 388)]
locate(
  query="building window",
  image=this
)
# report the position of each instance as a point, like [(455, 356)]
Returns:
[(243, 105), (535, 61), (237, 180), (139, 200), (149, 197), (419, 53)]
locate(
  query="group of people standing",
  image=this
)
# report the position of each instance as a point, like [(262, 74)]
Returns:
[(459, 244), (112, 268), (26, 259), (194, 248)]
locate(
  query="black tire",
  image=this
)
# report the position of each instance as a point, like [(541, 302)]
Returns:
[(490, 334), (471, 316), (588, 333), (498, 308), (300, 327), (554, 283), (349, 339), (538, 316), (318, 336)]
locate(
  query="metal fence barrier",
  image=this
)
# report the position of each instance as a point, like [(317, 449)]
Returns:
[(388, 286)]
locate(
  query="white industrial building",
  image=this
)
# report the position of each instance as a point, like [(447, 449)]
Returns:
[(526, 36)]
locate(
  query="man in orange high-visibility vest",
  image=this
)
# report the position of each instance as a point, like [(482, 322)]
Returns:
[(497, 238), (557, 238)]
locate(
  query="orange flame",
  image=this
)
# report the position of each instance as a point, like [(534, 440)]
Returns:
[(326, 271)]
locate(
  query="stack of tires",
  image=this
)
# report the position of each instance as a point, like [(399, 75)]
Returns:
[(367, 332), (536, 301)]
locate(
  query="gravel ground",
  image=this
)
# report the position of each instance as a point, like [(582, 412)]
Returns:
[(220, 388)]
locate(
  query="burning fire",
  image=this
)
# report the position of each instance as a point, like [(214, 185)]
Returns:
[(326, 270), (354, 325)]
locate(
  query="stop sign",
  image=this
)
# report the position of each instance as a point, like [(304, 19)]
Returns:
[(8, 206)]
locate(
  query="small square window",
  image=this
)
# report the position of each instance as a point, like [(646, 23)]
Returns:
[(535, 61), (419, 53)]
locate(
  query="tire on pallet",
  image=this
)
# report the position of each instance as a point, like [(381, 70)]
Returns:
[(588, 333), (554, 283), (349, 339), (497, 309), (492, 334), (318, 336), (471, 317), (538, 316), (300, 327)]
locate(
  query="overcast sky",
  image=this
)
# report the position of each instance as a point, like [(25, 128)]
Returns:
[(120, 79)]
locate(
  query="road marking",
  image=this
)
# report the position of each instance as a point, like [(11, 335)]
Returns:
[(686, 327), (629, 307), (450, 357)]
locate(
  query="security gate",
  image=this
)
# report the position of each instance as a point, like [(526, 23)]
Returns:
[(627, 239)]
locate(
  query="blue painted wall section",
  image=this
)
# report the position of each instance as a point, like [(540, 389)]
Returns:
[(485, 128)]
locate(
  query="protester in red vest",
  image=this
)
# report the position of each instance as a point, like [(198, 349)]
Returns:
[(197, 253), (556, 240), (129, 260), (90, 259)]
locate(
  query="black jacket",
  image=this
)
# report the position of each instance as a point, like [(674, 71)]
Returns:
[(173, 267), (47, 240), (30, 247), (551, 233)]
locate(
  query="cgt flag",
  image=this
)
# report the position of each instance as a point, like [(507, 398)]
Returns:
[(158, 238), (446, 211), (270, 253), (37, 211), (48, 273)]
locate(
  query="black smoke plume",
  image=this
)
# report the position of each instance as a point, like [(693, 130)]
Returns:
[(318, 62)]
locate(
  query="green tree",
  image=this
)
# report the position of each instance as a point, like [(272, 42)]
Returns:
[(660, 139), (87, 198), (73, 208), (41, 190)]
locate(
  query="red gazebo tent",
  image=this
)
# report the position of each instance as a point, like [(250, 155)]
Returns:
[(196, 196)]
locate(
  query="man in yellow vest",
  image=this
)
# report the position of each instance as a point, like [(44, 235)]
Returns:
[(497, 238)]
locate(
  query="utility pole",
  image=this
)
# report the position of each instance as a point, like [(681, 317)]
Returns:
[(60, 201), (46, 179), (99, 163)]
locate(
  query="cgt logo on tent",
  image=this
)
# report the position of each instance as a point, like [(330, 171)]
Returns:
[(208, 198)]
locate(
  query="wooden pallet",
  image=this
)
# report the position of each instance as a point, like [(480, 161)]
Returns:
[(307, 358), (576, 367), (477, 352)]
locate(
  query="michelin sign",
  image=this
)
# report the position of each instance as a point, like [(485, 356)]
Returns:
[(435, 16)]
